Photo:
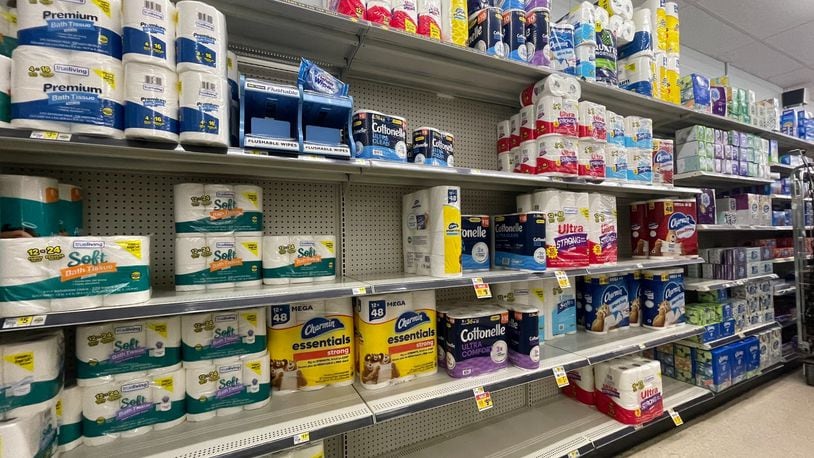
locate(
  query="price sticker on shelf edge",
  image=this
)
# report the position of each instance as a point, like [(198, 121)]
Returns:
[(560, 377), (47, 135), (676, 418), (483, 399), (573, 454), (359, 291), (302, 438), (482, 290), (24, 322), (562, 279)]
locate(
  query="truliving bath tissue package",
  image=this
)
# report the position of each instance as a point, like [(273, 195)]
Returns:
[(213, 261), (299, 259), (29, 204), (201, 38), (32, 435), (227, 386), (69, 418), (32, 368), (431, 232), (209, 336), (148, 32), (205, 208)]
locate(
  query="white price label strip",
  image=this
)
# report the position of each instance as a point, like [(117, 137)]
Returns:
[(24, 322), (359, 291), (45, 135)]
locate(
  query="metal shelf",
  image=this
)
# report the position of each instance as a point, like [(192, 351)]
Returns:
[(696, 284), (717, 180), (785, 198), (733, 338), (740, 227), (322, 414), (785, 291)]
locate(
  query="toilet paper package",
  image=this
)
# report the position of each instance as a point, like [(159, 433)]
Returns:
[(217, 261), (623, 8), (486, 31), (603, 231), (32, 368), (663, 162), (209, 336), (204, 106), (228, 386), (566, 224), (559, 307), (78, 26), (431, 227), (523, 336), (566, 86), (67, 270), (277, 254), (67, 91), (148, 32), (519, 241), (556, 115), (126, 346), (606, 303), (639, 165), (634, 296), (201, 39), (310, 345), (591, 159), (8, 28), (642, 44), (616, 165), (151, 103), (526, 162), (606, 58), (557, 156), (672, 227), (69, 210), (476, 340), (581, 385), (69, 418), (312, 258), (220, 208), (29, 205), (562, 48), (538, 24), (663, 297), (582, 18), (586, 62), (637, 74), (592, 124), (514, 34), (475, 238), (623, 29), (395, 338), (629, 390), (32, 435), (524, 204)]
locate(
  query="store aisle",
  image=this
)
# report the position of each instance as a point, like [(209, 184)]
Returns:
[(737, 429)]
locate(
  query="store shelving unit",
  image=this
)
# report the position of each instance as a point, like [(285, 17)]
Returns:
[(757, 329), (696, 284)]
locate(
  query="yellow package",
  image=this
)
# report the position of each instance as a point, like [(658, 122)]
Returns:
[(673, 27), (456, 21)]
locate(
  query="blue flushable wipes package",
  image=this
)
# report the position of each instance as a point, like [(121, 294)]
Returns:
[(312, 78)]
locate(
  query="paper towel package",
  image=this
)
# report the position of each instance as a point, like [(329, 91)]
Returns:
[(29, 204), (126, 346), (311, 345), (581, 385), (32, 435), (606, 303), (431, 231), (642, 44), (208, 336), (395, 338), (205, 208), (475, 238), (201, 38), (603, 231), (476, 340), (519, 241), (69, 418), (523, 336), (228, 386), (629, 390), (151, 102), (32, 368), (663, 297), (79, 26), (148, 32)]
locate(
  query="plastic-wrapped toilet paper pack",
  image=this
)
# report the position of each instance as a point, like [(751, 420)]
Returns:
[(603, 231), (299, 259), (558, 310), (29, 204), (33, 435), (148, 32), (623, 8), (606, 58), (581, 385), (663, 301), (219, 208), (642, 44), (519, 241), (126, 346), (32, 368), (201, 39), (395, 337), (217, 261), (69, 213), (5, 90), (476, 340), (475, 237), (431, 221), (228, 386), (566, 224), (522, 336), (204, 105), (297, 330), (208, 336), (562, 48), (151, 103), (637, 74), (79, 26), (69, 418), (132, 405), (73, 272), (582, 18), (629, 390), (606, 303)]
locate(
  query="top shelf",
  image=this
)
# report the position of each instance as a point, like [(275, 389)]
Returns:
[(358, 49)]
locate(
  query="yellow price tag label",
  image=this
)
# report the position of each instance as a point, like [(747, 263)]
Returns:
[(482, 290), (676, 418), (359, 291), (560, 377), (573, 454), (49, 135), (483, 399), (562, 279), (302, 438)]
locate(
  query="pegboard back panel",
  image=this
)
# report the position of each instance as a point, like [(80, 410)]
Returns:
[(117, 203), (542, 390), (385, 437)]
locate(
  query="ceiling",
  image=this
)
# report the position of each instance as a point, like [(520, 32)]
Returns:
[(769, 39)]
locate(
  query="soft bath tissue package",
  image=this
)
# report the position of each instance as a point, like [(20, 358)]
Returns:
[(29, 204), (148, 32), (32, 368), (69, 418), (311, 344), (395, 338), (299, 259), (126, 346), (208, 336), (205, 208), (33, 435), (201, 42), (228, 386), (133, 404), (211, 261), (92, 26)]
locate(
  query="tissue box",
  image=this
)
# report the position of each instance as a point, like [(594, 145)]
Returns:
[(695, 92), (706, 206), (695, 148), (695, 133), (695, 164), (718, 100)]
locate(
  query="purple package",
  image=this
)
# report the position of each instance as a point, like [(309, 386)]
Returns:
[(705, 205), (743, 154), (727, 167), (476, 341), (719, 166), (532, 5), (717, 95), (736, 168), (720, 137), (728, 151), (719, 151), (537, 29), (744, 168)]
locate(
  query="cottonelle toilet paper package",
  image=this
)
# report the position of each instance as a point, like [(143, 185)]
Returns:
[(201, 39), (311, 345), (475, 338), (148, 32), (118, 347), (228, 386), (204, 105), (395, 338), (209, 336), (69, 418), (92, 26), (629, 390), (151, 103), (130, 405), (29, 204), (32, 368), (523, 336), (33, 435), (217, 262), (219, 208)]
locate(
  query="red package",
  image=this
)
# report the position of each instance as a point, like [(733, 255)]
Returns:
[(675, 227), (353, 8)]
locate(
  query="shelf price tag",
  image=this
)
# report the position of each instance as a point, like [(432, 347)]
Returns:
[(302, 438), (560, 377), (359, 291), (562, 279), (24, 322), (573, 454), (46, 135), (483, 399), (482, 290), (676, 418)]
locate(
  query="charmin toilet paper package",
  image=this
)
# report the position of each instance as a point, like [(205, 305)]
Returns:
[(148, 32), (29, 205), (395, 338), (67, 91), (32, 368), (311, 344), (475, 236), (217, 261), (126, 346), (606, 303), (523, 336), (218, 208), (151, 102), (228, 386), (79, 26), (581, 385), (69, 418), (475, 338), (209, 336), (204, 105), (431, 227), (603, 231), (133, 404), (74, 272), (629, 390), (32, 435), (69, 210), (519, 241), (663, 296), (201, 38), (634, 296)]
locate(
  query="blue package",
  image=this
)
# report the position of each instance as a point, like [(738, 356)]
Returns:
[(668, 371), (312, 78), (506, 5), (379, 136), (606, 303), (586, 69), (739, 358), (711, 332), (561, 44), (519, 241), (663, 298), (514, 35), (606, 59), (695, 92), (486, 31), (432, 147), (563, 319), (475, 236), (752, 355), (713, 368), (523, 337), (642, 45), (477, 5), (787, 121), (584, 33)]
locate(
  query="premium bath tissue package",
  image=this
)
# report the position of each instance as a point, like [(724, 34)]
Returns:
[(148, 32), (214, 335), (150, 102), (201, 38), (311, 345), (299, 259), (32, 368), (220, 208), (431, 232), (228, 386)]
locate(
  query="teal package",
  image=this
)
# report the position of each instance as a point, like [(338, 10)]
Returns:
[(70, 217), (37, 219)]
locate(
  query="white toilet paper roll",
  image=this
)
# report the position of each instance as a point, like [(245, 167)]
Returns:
[(201, 38), (129, 253), (326, 250), (276, 259), (505, 162), (30, 103), (204, 109), (80, 26), (169, 394), (565, 86), (151, 103), (164, 337), (189, 205), (200, 387), (623, 8), (148, 32), (100, 80), (223, 250), (190, 263), (33, 435), (524, 203), (69, 418), (249, 249), (257, 378)]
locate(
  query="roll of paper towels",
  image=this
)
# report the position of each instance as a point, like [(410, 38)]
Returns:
[(28, 204), (5, 94), (204, 108), (93, 26), (148, 32), (69, 418), (277, 252), (151, 103), (30, 436), (201, 39)]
